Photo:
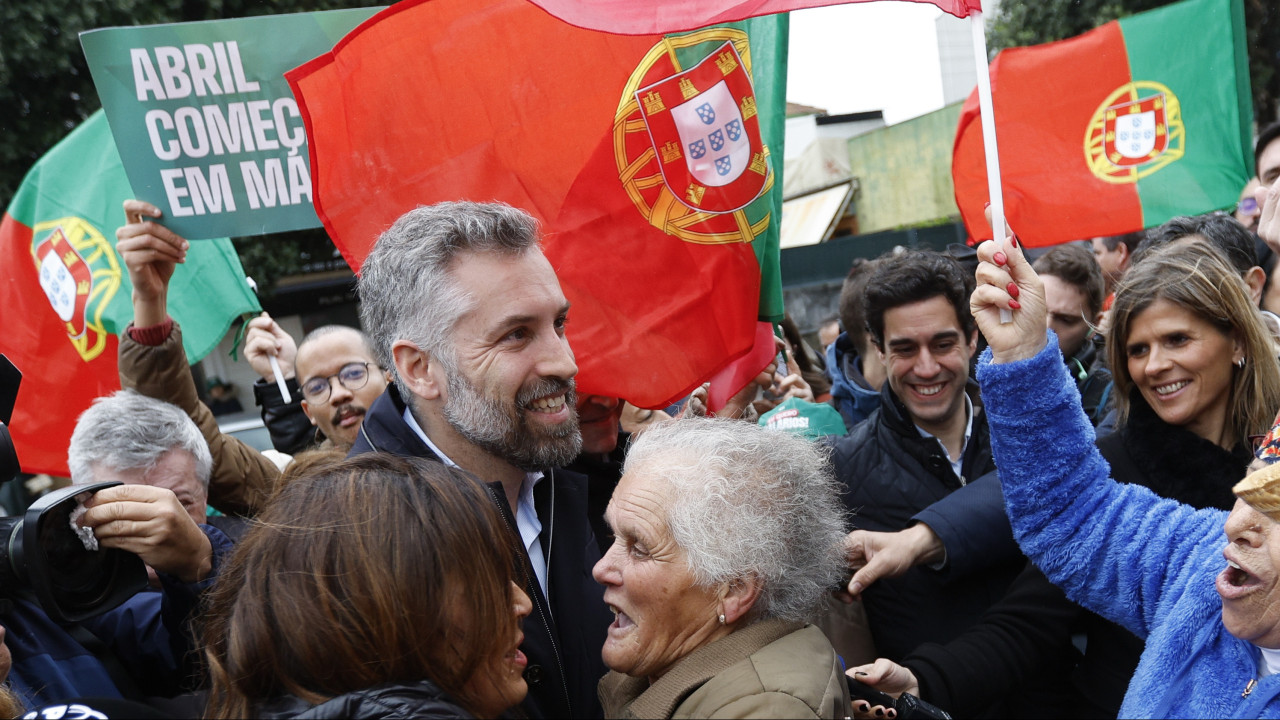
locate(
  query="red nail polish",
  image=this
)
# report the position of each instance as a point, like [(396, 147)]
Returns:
[(1000, 258), (1013, 290), (1014, 239), (984, 207), (1015, 305)]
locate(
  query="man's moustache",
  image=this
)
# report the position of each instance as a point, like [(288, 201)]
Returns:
[(544, 387), (348, 409)]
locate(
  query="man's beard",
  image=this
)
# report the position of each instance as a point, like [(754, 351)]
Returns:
[(502, 429)]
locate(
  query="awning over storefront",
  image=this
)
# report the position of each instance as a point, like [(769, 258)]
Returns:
[(810, 219)]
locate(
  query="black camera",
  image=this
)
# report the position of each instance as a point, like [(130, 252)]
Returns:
[(41, 553)]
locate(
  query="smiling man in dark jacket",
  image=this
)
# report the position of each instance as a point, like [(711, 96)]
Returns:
[(461, 302), (926, 439)]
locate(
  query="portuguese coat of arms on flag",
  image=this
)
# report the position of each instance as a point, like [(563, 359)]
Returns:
[(648, 160), (1116, 130), (704, 124)]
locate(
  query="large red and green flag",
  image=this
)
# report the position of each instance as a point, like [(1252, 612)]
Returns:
[(1119, 129), (650, 160), (66, 293)]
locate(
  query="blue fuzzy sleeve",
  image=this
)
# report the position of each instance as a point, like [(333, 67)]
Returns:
[(1119, 550)]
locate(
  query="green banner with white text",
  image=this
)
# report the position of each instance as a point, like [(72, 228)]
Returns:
[(205, 122)]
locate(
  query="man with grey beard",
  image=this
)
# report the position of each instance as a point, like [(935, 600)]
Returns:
[(461, 302)]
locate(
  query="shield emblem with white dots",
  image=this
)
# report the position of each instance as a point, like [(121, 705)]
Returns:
[(706, 133), (1136, 131)]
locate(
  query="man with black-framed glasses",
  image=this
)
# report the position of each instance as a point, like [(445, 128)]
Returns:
[(340, 379)]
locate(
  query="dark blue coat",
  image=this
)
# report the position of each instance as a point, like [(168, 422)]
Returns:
[(891, 474)]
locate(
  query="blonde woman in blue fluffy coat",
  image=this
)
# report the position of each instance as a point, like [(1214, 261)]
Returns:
[(1207, 605)]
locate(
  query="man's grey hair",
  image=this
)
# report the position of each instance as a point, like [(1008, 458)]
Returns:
[(128, 431), (407, 289), (747, 502)]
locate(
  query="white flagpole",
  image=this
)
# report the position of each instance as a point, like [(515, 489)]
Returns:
[(275, 370), (988, 114)]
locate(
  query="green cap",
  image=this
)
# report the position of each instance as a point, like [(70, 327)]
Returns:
[(812, 420)]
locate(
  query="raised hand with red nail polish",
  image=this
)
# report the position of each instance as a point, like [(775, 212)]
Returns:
[(1005, 281)]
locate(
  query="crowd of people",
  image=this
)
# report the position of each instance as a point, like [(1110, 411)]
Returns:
[(998, 517)]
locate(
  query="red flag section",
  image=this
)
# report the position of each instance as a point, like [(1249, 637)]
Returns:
[(643, 17), (733, 378), (1041, 156), (497, 100), (59, 377)]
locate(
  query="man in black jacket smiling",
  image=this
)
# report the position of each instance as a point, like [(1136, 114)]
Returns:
[(925, 440), (461, 302)]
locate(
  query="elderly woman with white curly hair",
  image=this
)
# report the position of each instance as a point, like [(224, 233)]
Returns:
[(727, 535)]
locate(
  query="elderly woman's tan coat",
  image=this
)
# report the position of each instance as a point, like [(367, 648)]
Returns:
[(772, 669)]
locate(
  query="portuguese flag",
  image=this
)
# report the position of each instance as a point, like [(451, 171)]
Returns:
[(66, 293), (650, 160), (1116, 130)]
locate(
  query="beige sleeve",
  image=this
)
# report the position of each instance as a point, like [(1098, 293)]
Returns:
[(242, 478)]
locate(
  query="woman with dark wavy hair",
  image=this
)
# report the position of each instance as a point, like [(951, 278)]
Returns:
[(376, 586)]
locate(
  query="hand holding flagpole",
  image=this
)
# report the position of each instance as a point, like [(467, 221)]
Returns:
[(988, 114), (275, 370), (271, 352)]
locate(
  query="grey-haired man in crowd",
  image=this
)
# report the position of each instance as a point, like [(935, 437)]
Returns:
[(461, 302)]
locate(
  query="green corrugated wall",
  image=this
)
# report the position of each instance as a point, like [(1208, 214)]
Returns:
[(904, 172)]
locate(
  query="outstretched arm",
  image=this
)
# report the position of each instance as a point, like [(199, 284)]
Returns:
[(151, 251), (965, 532), (876, 555), (1116, 549), (153, 363)]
